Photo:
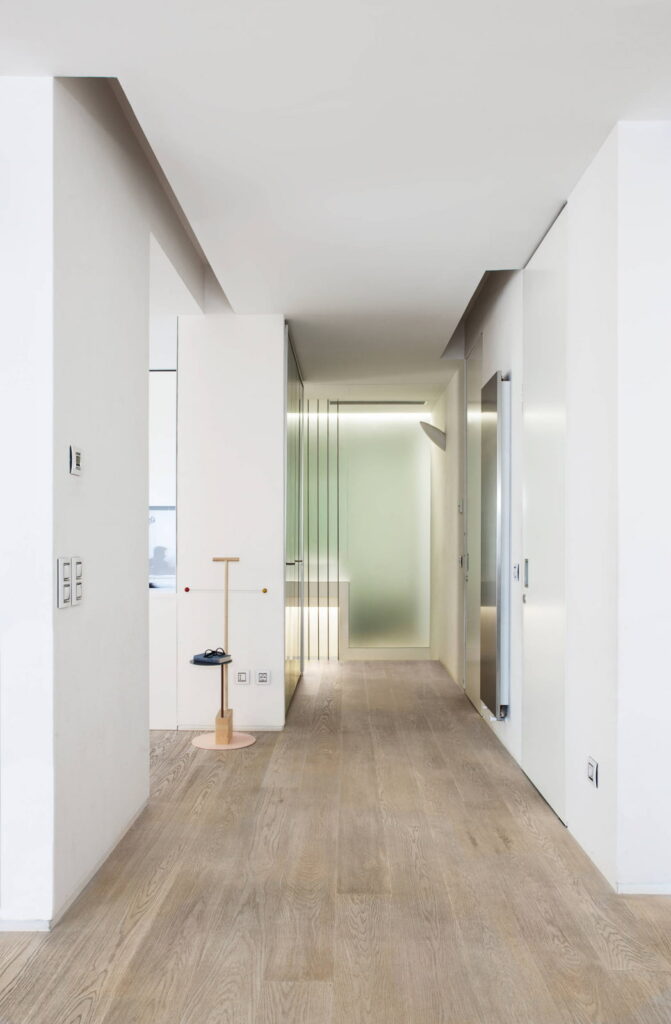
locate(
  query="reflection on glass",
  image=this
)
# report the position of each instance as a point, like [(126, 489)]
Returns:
[(162, 548)]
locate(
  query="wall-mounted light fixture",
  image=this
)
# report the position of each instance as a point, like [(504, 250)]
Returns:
[(439, 437)]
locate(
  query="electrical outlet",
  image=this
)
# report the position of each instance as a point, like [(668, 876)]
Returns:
[(262, 678), (593, 772), (243, 677), (76, 460)]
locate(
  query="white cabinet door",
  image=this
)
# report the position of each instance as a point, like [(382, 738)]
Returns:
[(544, 626)]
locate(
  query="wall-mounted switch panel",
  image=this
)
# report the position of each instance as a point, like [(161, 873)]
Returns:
[(77, 579), (262, 678), (75, 460), (593, 771), (64, 582), (244, 678)]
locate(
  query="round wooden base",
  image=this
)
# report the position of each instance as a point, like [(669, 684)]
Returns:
[(207, 741)]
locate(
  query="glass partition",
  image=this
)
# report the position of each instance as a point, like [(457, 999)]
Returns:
[(384, 542), (162, 479)]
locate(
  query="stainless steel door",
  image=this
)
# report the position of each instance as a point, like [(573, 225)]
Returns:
[(495, 545), (473, 519)]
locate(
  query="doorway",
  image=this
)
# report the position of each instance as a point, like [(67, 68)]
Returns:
[(367, 513)]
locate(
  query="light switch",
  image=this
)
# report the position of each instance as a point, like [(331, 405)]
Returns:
[(64, 582), (77, 579)]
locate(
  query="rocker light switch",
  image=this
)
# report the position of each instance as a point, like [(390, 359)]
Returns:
[(77, 579), (64, 582)]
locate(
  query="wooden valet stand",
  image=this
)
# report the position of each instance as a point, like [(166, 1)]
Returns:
[(223, 737)]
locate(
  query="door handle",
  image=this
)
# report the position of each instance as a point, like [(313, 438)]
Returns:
[(526, 572)]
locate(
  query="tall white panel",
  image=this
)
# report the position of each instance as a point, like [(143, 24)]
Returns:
[(544, 431), (231, 498)]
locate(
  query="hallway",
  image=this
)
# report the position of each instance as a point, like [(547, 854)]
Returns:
[(381, 860)]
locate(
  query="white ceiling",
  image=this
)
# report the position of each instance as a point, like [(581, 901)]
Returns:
[(357, 165)]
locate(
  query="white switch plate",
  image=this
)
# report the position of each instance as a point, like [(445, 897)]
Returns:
[(243, 677), (262, 678), (593, 771)]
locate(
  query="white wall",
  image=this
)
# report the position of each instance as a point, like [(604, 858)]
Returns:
[(644, 500), (498, 318), (108, 204), (591, 507), (76, 232), (26, 510), (618, 547), (230, 494), (447, 531)]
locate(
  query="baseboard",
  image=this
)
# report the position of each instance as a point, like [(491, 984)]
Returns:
[(9, 925), (657, 889), (63, 909)]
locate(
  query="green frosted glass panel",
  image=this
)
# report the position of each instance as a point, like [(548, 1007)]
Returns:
[(384, 535)]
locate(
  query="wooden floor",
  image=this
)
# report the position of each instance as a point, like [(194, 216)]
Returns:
[(382, 860)]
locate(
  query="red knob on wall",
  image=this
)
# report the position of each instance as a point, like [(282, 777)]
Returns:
[(187, 589)]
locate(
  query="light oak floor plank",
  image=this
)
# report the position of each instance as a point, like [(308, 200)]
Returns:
[(381, 861)]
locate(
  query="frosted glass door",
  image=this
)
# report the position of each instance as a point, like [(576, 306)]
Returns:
[(384, 542)]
